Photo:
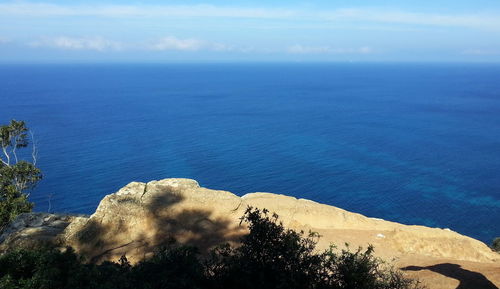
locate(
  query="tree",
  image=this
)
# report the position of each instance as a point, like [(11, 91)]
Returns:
[(17, 176)]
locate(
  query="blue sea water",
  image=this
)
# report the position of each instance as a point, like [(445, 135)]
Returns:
[(412, 143)]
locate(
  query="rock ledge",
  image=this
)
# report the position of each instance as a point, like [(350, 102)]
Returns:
[(141, 216)]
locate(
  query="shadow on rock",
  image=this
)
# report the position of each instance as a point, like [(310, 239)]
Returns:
[(468, 279), (191, 226), (137, 224)]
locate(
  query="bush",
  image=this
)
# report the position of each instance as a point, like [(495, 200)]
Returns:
[(495, 245), (270, 256), (171, 267), (51, 269)]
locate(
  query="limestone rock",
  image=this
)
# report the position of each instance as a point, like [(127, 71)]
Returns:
[(32, 230), (141, 217)]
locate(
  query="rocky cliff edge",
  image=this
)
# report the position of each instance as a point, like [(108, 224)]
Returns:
[(142, 216)]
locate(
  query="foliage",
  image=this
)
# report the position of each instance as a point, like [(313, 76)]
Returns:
[(17, 176), (270, 256), (52, 269), (495, 245), (175, 267), (171, 267), (361, 270)]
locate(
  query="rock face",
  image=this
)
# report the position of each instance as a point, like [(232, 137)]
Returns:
[(34, 230), (141, 217)]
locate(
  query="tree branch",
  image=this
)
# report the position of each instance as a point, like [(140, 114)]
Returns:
[(4, 162), (14, 152), (34, 149), (4, 149)]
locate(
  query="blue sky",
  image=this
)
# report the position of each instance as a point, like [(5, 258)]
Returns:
[(196, 31)]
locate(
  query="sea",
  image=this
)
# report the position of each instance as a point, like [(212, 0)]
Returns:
[(415, 143)]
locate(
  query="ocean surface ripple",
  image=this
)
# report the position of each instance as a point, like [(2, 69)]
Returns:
[(411, 143)]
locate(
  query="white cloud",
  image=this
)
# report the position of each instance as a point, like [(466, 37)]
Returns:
[(300, 49), (187, 44), (487, 21), (169, 43), (72, 43), (173, 43), (44, 9), (483, 20)]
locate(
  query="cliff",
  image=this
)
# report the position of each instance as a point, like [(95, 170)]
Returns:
[(142, 216)]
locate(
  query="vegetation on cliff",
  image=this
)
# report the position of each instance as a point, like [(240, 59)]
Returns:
[(17, 176), (270, 256), (495, 245)]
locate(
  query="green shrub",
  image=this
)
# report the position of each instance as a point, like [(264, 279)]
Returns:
[(271, 256), (495, 245)]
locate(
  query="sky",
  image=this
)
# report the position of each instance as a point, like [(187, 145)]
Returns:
[(249, 30)]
